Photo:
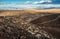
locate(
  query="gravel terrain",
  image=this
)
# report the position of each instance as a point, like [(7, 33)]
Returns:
[(30, 26)]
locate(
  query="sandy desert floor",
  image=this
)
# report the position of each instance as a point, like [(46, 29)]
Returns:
[(33, 11), (46, 10)]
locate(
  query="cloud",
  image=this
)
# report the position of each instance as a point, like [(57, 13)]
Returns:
[(45, 1), (42, 1), (27, 2), (35, 2), (49, 1), (38, 2)]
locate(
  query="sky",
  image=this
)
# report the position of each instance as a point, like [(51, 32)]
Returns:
[(29, 4), (33, 1)]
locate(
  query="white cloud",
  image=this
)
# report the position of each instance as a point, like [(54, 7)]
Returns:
[(38, 2), (27, 2), (42, 1), (48, 1), (35, 2)]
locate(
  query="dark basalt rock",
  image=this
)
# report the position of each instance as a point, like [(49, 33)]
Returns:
[(24, 26)]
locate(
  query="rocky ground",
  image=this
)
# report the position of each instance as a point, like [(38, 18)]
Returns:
[(30, 26)]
